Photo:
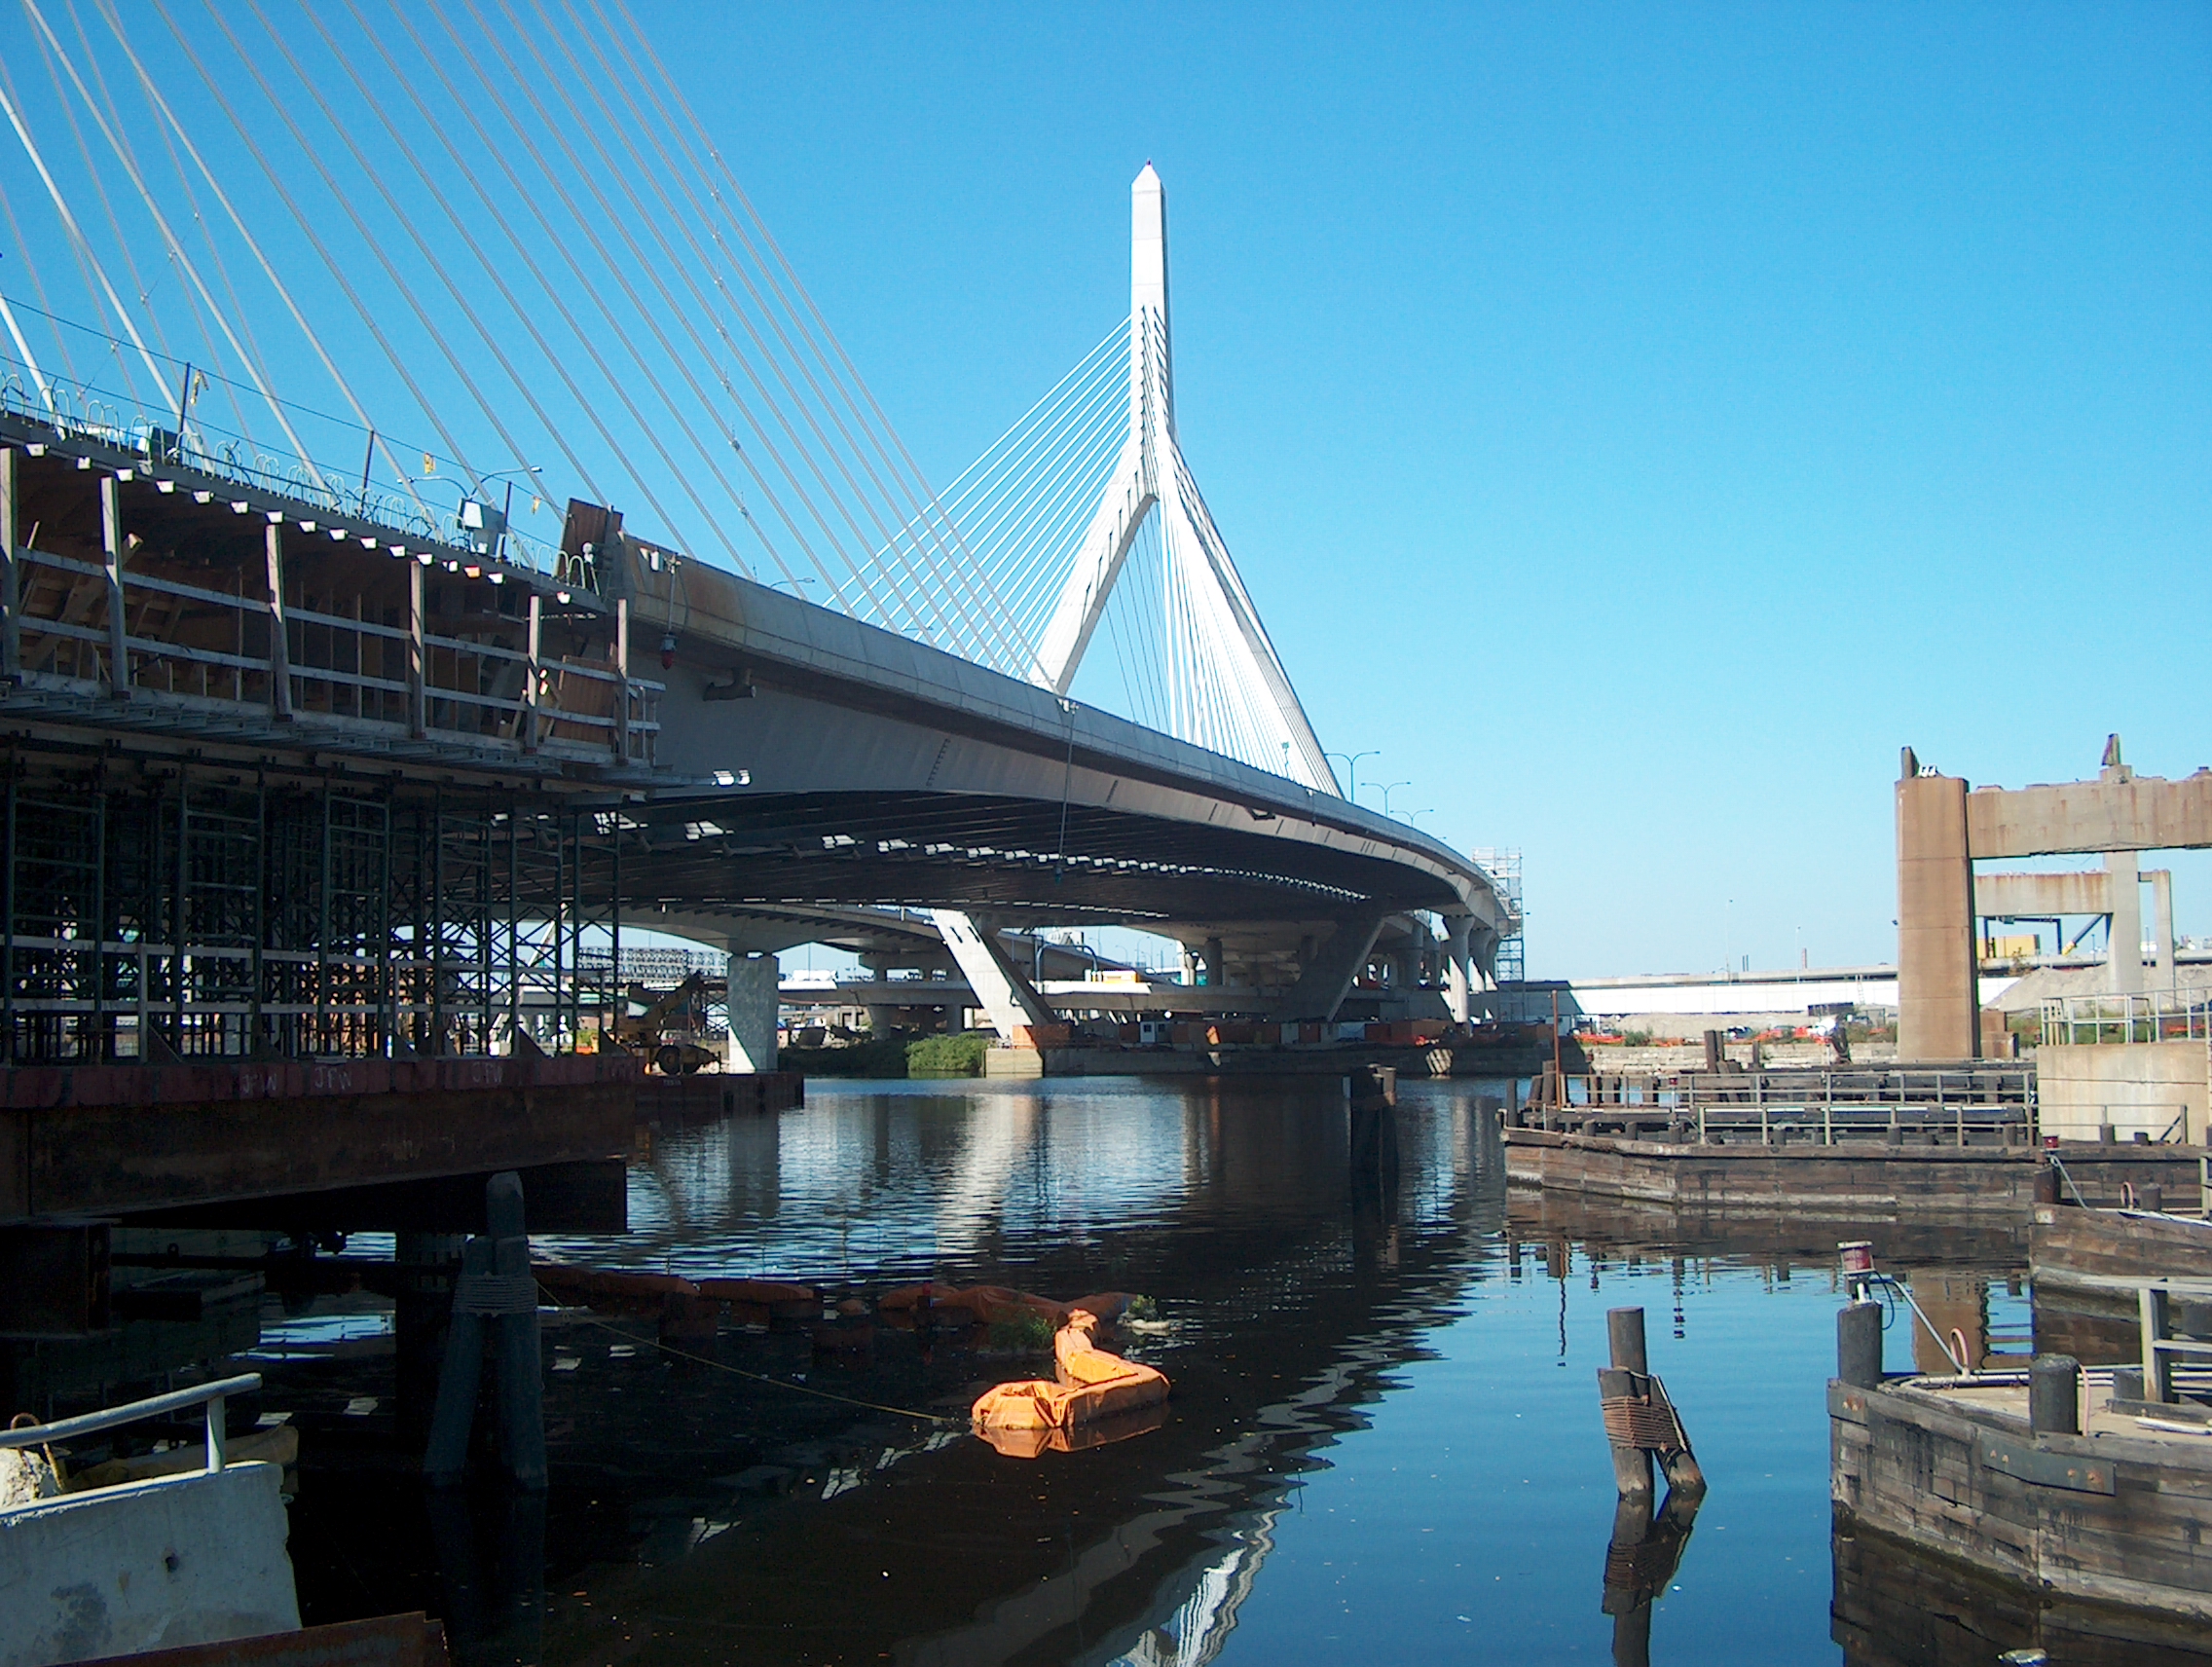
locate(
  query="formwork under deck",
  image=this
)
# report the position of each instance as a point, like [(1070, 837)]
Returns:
[(286, 789)]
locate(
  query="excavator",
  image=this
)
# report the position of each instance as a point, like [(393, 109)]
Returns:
[(665, 1029)]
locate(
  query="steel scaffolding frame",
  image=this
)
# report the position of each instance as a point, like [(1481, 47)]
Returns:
[(181, 914)]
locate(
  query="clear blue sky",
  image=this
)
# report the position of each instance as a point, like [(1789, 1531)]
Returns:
[(1637, 423)]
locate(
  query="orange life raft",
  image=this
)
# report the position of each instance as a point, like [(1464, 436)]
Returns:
[(1093, 1388)]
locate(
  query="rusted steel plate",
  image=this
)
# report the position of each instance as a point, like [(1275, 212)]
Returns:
[(102, 1159), (2027, 1463), (388, 1641), (58, 1086)]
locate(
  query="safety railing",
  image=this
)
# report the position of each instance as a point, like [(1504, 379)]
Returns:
[(1991, 1104), (118, 421), (97, 628), (2158, 1015), (213, 1398)]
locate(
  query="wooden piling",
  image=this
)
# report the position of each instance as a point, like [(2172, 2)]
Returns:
[(1624, 1337), (1374, 1135), (495, 1299), (1640, 1422)]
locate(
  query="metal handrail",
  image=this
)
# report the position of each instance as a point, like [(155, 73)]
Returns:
[(209, 1395), (2127, 1017)]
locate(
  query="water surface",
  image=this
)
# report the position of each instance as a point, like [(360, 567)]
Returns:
[(1383, 1444)]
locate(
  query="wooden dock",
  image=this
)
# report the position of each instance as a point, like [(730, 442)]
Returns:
[(1896, 1605), (2119, 1516), (2094, 1249), (1858, 1180)]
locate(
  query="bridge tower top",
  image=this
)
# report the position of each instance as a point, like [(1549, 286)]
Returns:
[(1149, 334), (1228, 690)]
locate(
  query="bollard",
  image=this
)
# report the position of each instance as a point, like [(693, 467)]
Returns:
[(2127, 1383), (2055, 1395), (2150, 1197), (2046, 1184), (1858, 1345)]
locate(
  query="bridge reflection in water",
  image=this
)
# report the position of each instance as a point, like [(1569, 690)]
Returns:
[(1383, 1442)]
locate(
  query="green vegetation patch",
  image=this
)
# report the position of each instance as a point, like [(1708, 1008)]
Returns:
[(1030, 1334), (959, 1055), (878, 1059)]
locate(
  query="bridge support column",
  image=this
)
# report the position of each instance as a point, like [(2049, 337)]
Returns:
[(1482, 962), (2162, 928), (1000, 989), (2123, 955), (1936, 1008), (1457, 984), (751, 1013), (1325, 981)]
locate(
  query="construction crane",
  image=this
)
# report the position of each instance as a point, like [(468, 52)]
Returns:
[(665, 1029)]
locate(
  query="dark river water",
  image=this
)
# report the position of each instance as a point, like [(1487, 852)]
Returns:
[(1382, 1446)]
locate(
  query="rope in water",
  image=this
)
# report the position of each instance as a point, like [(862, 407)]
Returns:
[(758, 1377)]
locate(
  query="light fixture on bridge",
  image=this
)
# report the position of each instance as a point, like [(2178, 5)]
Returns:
[(668, 651), (733, 778), (561, 597)]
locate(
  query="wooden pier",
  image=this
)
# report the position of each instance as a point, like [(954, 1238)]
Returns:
[(1857, 1179), (2097, 1249), (2118, 1516)]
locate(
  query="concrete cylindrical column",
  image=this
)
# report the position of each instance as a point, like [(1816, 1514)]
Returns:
[(1938, 1012), (1858, 1345), (2055, 1395)]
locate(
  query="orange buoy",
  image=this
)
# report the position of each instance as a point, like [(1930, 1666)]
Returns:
[(1093, 1390)]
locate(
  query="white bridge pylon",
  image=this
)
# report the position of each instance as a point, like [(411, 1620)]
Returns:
[(1227, 690)]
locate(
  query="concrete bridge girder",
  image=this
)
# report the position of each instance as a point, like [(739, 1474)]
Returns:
[(837, 707)]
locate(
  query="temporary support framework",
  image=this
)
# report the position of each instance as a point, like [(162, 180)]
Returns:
[(175, 914)]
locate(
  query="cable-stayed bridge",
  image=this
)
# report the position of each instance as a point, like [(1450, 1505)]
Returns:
[(327, 742)]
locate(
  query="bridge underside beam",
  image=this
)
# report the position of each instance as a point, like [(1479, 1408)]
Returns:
[(1069, 864)]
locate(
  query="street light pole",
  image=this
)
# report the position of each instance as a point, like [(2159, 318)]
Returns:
[(1351, 768), (1387, 786)]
